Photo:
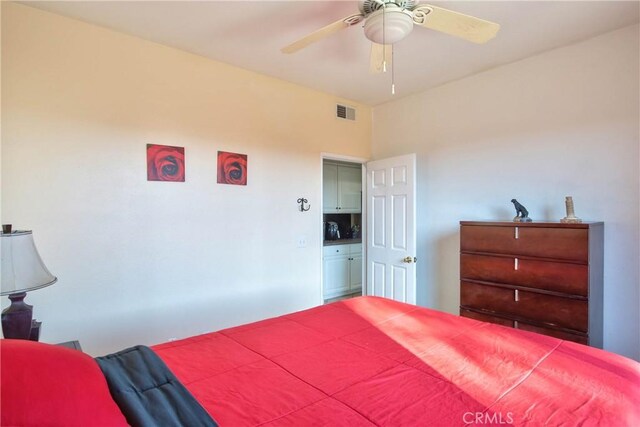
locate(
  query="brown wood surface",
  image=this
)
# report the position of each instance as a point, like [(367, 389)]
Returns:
[(567, 278), (581, 339), (535, 224), (486, 318), (557, 333), (557, 243), (551, 310), (559, 277)]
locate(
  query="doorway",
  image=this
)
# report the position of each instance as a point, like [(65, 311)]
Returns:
[(343, 214), (383, 262)]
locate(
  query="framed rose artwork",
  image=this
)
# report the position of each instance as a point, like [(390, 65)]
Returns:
[(232, 168), (165, 163)]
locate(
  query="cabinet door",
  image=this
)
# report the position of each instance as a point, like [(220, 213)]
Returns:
[(355, 282), (329, 188), (349, 189), (336, 276)]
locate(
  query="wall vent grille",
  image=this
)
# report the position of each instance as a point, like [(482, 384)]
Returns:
[(344, 112)]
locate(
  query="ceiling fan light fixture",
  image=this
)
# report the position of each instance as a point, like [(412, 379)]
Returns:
[(393, 27)]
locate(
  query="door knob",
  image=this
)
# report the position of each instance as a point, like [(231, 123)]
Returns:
[(408, 260)]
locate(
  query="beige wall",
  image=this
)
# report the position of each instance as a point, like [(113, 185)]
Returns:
[(139, 261), (142, 262), (565, 122)]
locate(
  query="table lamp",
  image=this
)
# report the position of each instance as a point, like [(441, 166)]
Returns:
[(22, 271)]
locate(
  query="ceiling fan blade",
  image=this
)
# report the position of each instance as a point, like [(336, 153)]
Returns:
[(455, 23), (322, 33), (380, 57)]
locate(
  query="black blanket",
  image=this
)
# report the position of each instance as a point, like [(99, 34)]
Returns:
[(148, 393)]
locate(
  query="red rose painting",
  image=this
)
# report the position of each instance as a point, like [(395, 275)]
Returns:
[(165, 163), (232, 168)]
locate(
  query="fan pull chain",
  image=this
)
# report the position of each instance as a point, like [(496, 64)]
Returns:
[(384, 50), (384, 44), (393, 74), (393, 77)]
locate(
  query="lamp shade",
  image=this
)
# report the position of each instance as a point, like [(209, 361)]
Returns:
[(22, 267), (388, 25)]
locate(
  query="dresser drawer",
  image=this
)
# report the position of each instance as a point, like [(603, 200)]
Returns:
[(561, 277), (486, 318), (558, 311), (581, 339), (558, 243)]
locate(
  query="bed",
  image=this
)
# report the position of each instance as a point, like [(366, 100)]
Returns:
[(370, 361)]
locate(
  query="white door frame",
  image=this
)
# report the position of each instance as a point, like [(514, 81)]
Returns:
[(351, 159)]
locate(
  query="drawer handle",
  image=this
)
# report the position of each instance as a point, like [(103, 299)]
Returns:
[(516, 296), (515, 264), (515, 324), (516, 232)]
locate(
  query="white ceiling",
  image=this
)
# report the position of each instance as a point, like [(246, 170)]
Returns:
[(250, 34)]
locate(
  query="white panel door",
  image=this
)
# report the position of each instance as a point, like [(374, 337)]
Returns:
[(391, 231)]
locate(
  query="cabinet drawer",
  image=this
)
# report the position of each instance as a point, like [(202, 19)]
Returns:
[(559, 243), (562, 277), (335, 250), (558, 311), (355, 249)]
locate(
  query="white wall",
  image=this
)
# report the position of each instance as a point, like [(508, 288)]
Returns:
[(565, 122), (139, 261)]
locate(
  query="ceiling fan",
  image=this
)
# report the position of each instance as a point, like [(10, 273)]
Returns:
[(388, 21)]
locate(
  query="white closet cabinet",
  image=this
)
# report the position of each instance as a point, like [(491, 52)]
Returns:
[(342, 188), (342, 270)]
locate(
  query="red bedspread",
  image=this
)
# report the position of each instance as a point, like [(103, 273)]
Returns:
[(371, 361)]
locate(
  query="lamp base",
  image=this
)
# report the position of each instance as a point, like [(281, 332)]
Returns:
[(16, 319), (35, 330)]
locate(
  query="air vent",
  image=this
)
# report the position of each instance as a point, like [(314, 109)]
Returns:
[(344, 112)]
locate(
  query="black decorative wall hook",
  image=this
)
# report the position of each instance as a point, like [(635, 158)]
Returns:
[(302, 201)]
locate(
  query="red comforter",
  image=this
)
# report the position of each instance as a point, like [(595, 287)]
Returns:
[(371, 361)]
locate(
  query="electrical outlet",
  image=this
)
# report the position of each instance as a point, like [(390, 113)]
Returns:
[(302, 241)]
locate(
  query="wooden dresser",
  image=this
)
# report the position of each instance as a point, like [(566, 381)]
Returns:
[(544, 277)]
